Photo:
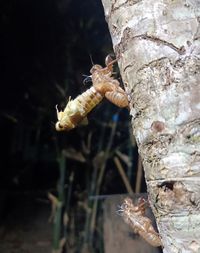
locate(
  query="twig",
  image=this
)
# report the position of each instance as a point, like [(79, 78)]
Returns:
[(123, 175), (61, 198), (101, 174)]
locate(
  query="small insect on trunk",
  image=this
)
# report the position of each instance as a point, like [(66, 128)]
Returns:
[(134, 215), (104, 85)]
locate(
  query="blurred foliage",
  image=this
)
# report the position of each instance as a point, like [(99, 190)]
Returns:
[(45, 49), (46, 46)]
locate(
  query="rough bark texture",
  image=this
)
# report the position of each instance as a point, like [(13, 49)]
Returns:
[(157, 43)]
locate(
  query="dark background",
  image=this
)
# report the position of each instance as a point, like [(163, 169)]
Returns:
[(45, 49)]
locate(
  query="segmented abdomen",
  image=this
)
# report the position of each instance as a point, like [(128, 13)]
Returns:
[(78, 108), (151, 237), (117, 98), (88, 100)]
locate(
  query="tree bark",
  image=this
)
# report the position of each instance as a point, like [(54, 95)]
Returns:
[(157, 44)]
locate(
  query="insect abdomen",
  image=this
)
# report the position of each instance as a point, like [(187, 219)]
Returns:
[(88, 100), (117, 98), (76, 110), (151, 237)]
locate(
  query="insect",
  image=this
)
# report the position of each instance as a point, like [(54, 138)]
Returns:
[(134, 215), (104, 85)]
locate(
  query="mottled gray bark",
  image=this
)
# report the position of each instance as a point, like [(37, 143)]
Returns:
[(157, 44)]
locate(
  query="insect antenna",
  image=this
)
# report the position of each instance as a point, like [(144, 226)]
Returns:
[(91, 59)]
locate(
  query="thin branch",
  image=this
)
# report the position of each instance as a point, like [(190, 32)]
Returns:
[(123, 175)]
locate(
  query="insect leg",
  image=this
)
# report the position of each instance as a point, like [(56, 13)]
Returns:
[(109, 62)]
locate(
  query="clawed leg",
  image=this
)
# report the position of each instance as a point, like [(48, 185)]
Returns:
[(109, 62)]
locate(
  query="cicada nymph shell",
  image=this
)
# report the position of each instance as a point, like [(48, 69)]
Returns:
[(134, 215), (104, 85), (108, 86)]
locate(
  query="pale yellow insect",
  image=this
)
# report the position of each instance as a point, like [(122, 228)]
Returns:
[(134, 215), (103, 85)]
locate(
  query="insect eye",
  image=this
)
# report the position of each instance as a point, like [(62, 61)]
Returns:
[(59, 127)]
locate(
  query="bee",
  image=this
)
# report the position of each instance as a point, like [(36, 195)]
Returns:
[(134, 215), (104, 85)]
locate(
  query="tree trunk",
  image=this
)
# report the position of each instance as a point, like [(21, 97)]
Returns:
[(158, 49)]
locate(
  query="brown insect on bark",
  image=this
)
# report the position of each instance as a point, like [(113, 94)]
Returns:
[(103, 85), (134, 215)]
